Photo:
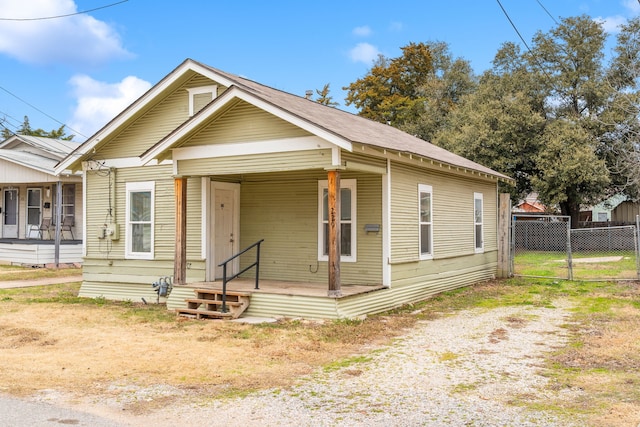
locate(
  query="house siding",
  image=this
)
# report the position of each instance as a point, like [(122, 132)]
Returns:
[(283, 210), (256, 163), (245, 122), (105, 265), (155, 124), (453, 225)]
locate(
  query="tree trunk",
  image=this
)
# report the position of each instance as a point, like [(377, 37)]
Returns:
[(572, 210)]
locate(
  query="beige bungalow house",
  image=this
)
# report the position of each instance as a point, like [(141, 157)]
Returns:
[(343, 216), (41, 210)]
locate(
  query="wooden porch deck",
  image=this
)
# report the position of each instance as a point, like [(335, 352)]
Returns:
[(284, 288)]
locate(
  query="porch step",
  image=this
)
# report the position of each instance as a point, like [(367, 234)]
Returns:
[(208, 304), (203, 314)]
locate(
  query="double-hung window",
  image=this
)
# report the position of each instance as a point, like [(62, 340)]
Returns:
[(478, 222), (347, 220), (140, 220), (425, 215)]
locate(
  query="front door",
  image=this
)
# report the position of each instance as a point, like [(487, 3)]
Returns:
[(225, 220), (10, 214)]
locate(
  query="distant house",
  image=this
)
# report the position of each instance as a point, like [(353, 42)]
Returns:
[(603, 211), (625, 212), (354, 216), (31, 195), (529, 204)]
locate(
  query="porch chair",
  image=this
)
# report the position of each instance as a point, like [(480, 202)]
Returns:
[(67, 225), (45, 225)]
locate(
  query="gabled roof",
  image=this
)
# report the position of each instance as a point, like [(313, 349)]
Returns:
[(33, 152), (327, 122)]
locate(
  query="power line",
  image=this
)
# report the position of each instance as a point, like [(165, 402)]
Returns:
[(514, 25), (63, 16), (42, 112), (550, 15)]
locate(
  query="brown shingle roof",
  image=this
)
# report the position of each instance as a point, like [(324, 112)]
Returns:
[(355, 128)]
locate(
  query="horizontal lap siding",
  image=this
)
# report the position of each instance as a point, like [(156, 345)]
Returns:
[(244, 122), (257, 163), (128, 279), (128, 272), (155, 124), (453, 225), (283, 210), (97, 212)]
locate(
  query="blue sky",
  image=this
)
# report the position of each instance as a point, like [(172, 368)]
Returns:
[(82, 70)]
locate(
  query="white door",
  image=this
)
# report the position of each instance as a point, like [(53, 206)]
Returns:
[(225, 220), (10, 214)]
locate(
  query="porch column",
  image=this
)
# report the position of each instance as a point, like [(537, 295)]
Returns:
[(334, 232), (180, 262), (58, 218)]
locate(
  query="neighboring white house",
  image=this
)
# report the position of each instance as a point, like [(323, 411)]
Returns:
[(36, 203)]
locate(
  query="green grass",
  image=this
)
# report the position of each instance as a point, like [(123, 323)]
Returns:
[(554, 265)]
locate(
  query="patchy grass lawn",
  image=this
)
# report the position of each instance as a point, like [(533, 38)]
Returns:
[(52, 340), (587, 265)]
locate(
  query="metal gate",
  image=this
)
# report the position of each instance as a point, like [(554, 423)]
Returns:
[(546, 246)]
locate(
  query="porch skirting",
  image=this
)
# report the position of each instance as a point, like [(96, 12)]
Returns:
[(39, 252), (294, 301)]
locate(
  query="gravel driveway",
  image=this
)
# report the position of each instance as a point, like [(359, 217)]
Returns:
[(469, 368)]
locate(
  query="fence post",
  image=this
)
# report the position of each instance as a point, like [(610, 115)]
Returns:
[(636, 237), (504, 256), (569, 255)]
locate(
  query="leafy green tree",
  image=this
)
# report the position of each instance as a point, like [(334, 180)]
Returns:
[(415, 91), (555, 117), (324, 98), (25, 129), (499, 124)]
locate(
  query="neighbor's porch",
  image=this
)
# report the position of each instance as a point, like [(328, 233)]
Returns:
[(37, 252)]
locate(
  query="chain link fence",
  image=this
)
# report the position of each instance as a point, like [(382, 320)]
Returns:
[(546, 246)]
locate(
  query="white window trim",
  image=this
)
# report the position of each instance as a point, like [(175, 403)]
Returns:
[(213, 90), (480, 249), (134, 187), (423, 188), (344, 183)]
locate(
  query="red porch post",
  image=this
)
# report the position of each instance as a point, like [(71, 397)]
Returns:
[(334, 232), (180, 262)]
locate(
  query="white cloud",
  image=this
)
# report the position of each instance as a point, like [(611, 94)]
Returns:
[(364, 52), (396, 27), (633, 6), (363, 31), (78, 39), (99, 102), (611, 24)]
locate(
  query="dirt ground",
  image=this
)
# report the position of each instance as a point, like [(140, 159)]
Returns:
[(54, 345), (86, 349)]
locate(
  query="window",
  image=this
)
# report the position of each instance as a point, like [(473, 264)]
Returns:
[(347, 220), (68, 202), (477, 221), (139, 220), (199, 97), (34, 205), (425, 197)]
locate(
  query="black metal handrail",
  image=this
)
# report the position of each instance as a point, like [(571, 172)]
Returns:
[(226, 279)]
